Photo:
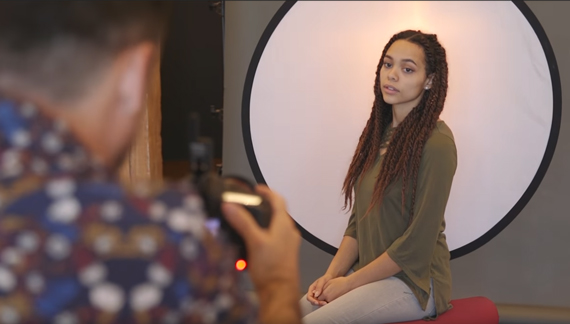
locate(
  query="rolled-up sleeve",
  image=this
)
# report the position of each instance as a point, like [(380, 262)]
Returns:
[(351, 227)]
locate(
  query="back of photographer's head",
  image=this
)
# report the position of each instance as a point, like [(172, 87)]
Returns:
[(85, 60)]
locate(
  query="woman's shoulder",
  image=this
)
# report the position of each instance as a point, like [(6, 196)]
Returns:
[(442, 129), (441, 138)]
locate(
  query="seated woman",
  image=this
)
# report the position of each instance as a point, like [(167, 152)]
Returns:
[(393, 262)]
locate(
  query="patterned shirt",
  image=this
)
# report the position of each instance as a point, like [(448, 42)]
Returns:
[(76, 247)]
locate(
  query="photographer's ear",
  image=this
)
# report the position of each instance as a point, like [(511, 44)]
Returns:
[(132, 82)]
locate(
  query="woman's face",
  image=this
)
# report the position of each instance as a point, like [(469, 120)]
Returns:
[(403, 75)]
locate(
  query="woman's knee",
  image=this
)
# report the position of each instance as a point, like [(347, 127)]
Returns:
[(306, 306)]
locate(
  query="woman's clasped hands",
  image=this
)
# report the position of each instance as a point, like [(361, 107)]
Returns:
[(327, 288)]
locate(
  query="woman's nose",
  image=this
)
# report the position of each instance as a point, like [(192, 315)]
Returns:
[(392, 75)]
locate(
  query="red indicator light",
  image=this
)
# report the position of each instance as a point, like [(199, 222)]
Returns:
[(241, 265)]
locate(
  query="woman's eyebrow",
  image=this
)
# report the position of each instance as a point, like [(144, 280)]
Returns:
[(403, 60)]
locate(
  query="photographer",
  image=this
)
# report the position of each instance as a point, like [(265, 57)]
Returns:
[(76, 247)]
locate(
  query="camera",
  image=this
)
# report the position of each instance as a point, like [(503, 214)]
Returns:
[(215, 190)]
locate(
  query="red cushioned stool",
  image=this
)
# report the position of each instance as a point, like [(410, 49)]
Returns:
[(473, 310)]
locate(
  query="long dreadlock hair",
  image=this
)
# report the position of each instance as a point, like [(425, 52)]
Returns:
[(403, 155)]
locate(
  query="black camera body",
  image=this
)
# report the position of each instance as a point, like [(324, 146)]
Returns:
[(215, 189)]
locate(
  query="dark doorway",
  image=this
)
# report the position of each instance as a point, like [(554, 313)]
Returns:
[(191, 81)]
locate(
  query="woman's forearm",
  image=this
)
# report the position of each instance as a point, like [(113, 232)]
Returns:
[(344, 258), (381, 268)]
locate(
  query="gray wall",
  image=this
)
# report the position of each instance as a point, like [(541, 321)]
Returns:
[(527, 263)]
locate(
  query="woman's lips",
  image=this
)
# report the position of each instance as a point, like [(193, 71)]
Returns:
[(390, 90)]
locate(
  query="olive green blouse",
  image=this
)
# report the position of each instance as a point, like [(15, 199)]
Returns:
[(420, 249)]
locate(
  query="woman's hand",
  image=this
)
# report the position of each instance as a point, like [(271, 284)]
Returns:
[(335, 288), (316, 288)]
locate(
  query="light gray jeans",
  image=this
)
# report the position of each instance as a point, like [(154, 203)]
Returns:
[(385, 301)]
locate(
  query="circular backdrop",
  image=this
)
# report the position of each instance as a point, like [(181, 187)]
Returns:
[(309, 92)]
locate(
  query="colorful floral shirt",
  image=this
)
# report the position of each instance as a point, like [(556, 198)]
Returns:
[(75, 247)]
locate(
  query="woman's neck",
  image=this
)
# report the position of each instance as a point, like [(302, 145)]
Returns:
[(399, 114)]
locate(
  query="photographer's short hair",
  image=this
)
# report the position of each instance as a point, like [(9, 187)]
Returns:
[(56, 46)]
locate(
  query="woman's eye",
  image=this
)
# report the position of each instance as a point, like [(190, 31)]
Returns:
[(408, 70), (388, 65)]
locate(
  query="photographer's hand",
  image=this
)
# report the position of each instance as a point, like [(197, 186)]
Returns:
[(273, 255)]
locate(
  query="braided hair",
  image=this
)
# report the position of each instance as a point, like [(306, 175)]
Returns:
[(403, 155)]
